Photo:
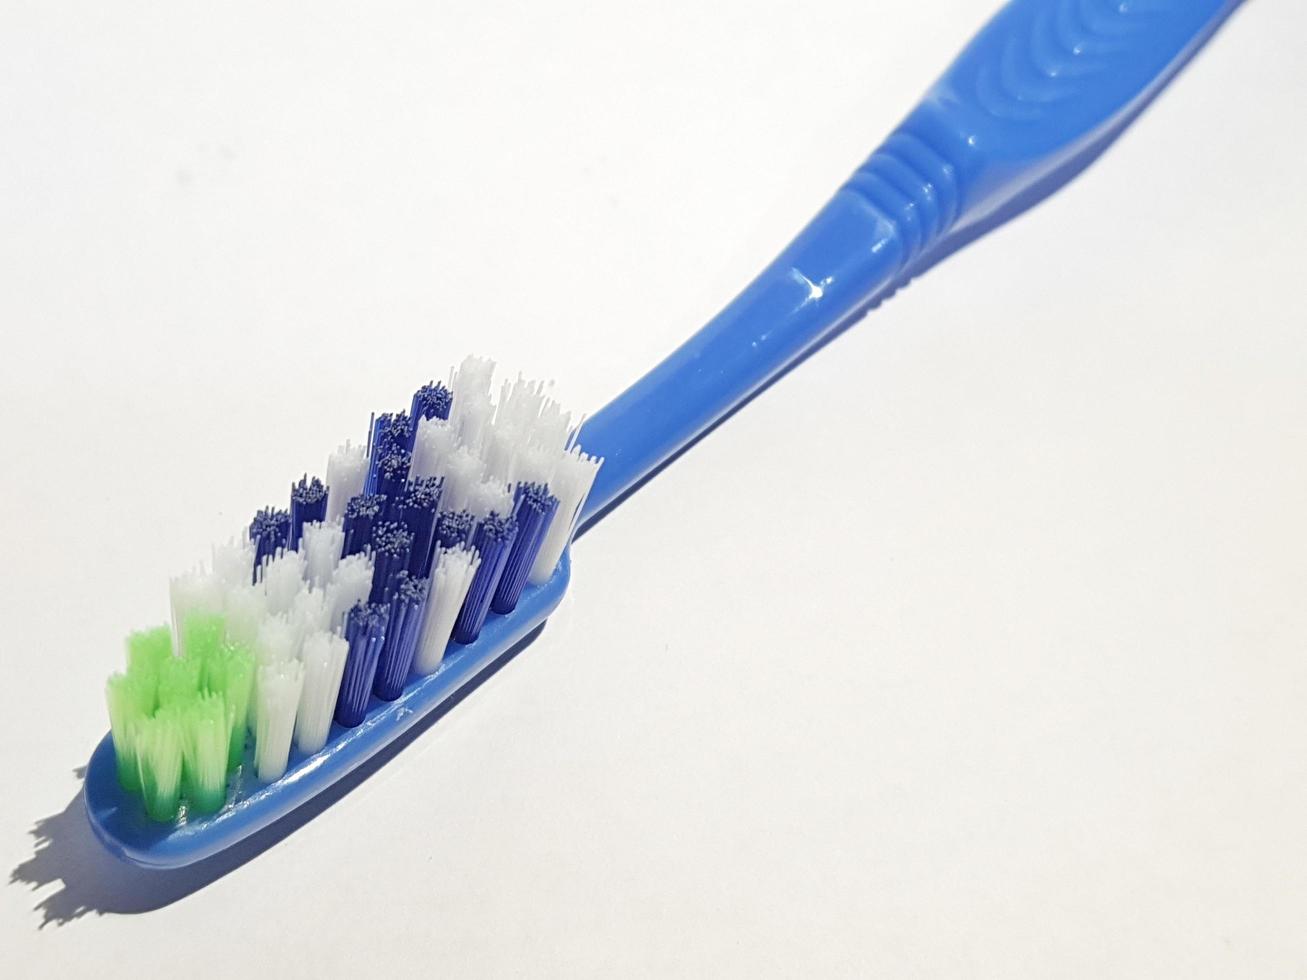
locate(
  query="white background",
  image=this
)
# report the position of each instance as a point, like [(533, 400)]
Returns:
[(977, 646)]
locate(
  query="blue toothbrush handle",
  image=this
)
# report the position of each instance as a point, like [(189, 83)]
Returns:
[(1037, 95)]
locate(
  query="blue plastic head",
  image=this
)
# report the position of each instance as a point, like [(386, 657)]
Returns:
[(119, 820)]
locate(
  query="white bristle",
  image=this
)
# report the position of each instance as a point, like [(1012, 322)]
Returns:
[(189, 593), (451, 577), (308, 611), (282, 577), (462, 472), (472, 409), (347, 468), (502, 445), (490, 497), (323, 658), (536, 464), (526, 409), (277, 693), (233, 562), (435, 442), (351, 583), (245, 607), (553, 428), (322, 545), (573, 477), (277, 640), (473, 421), (472, 377), (528, 430)]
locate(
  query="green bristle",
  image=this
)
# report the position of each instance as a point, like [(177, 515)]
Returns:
[(204, 752), (131, 700), (202, 637), (179, 681), (231, 674), (159, 759), (147, 649), (147, 652)]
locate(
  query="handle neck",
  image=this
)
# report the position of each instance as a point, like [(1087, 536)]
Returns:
[(850, 252)]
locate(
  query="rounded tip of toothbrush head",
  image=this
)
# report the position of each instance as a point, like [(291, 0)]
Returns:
[(119, 821)]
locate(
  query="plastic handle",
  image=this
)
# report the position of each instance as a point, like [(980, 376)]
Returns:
[(1039, 92)]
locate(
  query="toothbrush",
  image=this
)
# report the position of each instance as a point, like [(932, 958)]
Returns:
[(424, 604)]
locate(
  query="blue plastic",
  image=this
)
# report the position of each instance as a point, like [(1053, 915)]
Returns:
[(119, 819), (1038, 94)]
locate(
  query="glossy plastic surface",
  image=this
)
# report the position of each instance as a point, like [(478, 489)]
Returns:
[(1036, 95), (119, 819)]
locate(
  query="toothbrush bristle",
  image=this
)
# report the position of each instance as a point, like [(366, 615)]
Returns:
[(434, 443), (454, 528), (418, 507), (391, 432), (392, 473), (402, 631), (347, 471), (493, 540), (392, 545), (324, 543), (534, 508), (278, 691), (432, 401), (308, 502), (319, 611), (361, 513), (350, 584), (270, 532), (574, 474), (365, 632), (281, 578), (324, 664), (451, 577), (159, 763), (205, 738)]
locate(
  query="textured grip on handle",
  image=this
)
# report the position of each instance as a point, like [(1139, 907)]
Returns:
[(1042, 85), (1035, 96)]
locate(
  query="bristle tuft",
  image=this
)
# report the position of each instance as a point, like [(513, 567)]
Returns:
[(277, 691), (365, 632), (402, 633), (323, 657), (451, 576), (493, 541), (347, 471)]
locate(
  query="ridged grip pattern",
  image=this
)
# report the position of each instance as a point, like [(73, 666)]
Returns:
[(1041, 83), (1036, 95)]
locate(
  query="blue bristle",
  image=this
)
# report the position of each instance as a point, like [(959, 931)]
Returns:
[(390, 431), (417, 509), (269, 531), (361, 514), (392, 473), (308, 502), (534, 508), (493, 540), (391, 546), (432, 401), (454, 527), (402, 632), (365, 631)]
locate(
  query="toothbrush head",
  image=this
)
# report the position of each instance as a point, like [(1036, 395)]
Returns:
[(121, 824), (337, 625)]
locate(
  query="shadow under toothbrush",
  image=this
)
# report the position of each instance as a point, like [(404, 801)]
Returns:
[(93, 880)]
